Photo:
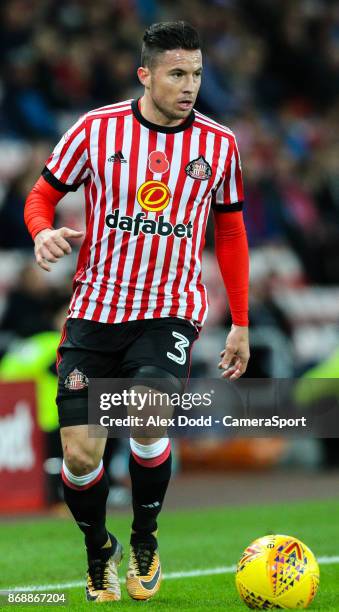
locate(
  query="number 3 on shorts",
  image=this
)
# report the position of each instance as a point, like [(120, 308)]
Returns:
[(180, 346)]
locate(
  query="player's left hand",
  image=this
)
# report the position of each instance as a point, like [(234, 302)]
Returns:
[(235, 356)]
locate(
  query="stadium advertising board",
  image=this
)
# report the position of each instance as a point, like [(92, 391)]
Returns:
[(21, 450)]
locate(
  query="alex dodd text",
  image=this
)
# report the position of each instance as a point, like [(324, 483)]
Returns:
[(208, 421)]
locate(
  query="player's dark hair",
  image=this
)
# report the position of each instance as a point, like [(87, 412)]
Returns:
[(165, 36)]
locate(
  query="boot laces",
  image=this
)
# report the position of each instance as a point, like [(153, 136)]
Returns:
[(144, 557), (98, 571)]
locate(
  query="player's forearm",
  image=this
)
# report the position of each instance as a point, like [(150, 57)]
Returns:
[(40, 207), (232, 254)]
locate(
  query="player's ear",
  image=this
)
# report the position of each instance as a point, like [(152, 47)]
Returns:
[(144, 76)]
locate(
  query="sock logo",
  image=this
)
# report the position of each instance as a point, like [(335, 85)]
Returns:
[(154, 505)]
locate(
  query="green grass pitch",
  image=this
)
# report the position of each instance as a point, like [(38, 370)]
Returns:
[(50, 551)]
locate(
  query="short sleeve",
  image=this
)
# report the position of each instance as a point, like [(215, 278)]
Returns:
[(67, 167), (229, 195)]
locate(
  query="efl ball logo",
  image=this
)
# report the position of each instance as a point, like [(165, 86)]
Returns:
[(154, 196)]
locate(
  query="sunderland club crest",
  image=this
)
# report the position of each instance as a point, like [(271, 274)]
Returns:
[(76, 380), (199, 169)]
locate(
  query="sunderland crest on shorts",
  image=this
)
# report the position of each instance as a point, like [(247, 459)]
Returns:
[(76, 380), (199, 169)]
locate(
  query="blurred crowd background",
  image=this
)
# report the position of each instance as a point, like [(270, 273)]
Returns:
[(271, 73)]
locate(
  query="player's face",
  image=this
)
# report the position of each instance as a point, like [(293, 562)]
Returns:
[(174, 81)]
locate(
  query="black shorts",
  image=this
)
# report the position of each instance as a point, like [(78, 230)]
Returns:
[(89, 349)]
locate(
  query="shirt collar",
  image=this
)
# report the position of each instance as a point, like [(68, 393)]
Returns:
[(162, 128)]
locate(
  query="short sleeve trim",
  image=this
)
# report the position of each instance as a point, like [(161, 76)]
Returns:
[(224, 208), (52, 180)]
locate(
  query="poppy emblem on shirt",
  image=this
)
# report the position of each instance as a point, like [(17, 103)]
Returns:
[(76, 380), (158, 162), (199, 169), (154, 196)]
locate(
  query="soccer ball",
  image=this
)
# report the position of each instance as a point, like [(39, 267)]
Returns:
[(277, 571)]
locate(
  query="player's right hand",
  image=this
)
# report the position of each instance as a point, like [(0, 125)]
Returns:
[(51, 245)]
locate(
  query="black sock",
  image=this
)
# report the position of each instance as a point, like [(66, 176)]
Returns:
[(149, 485), (88, 507)]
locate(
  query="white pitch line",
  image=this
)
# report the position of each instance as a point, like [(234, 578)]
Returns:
[(230, 569)]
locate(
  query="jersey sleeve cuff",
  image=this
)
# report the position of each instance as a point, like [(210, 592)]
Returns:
[(52, 180), (241, 322), (224, 208)]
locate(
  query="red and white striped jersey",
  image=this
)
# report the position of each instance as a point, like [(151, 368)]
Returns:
[(148, 191)]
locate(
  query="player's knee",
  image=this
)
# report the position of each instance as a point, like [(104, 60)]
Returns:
[(79, 460), (82, 455)]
